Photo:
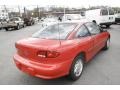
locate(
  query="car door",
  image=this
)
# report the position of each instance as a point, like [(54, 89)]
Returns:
[(20, 21), (97, 35), (85, 42)]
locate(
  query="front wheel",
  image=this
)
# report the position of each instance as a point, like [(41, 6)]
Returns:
[(107, 45), (76, 68), (24, 25), (18, 27)]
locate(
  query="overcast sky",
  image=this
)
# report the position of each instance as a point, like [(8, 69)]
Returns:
[(67, 3)]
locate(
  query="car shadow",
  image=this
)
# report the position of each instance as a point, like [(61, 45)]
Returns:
[(59, 81), (31, 80)]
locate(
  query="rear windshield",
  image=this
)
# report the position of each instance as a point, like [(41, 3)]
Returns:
[(56, 31)]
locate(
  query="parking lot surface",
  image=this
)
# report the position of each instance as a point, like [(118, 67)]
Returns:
[(103, 69)]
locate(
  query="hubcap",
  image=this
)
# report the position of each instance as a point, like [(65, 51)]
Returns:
[(78, 68)]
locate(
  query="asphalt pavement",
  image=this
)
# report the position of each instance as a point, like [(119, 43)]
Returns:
[(103, 69)]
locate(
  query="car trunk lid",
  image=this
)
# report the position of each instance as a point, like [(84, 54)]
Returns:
[(28, 48)]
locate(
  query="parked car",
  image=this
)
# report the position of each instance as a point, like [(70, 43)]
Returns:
[(36, 19), (28, 21), (15, 22), (42, 19), (72, 17), (2, 23), (55, 52), (48, 21), (103, 16), (117, 18)]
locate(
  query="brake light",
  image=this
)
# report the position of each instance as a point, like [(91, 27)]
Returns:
[(47, 54), (42, 54), (52, 54)]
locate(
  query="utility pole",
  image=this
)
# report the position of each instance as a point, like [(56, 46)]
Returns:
[(64, 14), (5, 8), (38, 13), (24, 12), (19, 11)]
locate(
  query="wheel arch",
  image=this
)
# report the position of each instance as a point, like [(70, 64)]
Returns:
[(83, 53), (94, 21), (17, 24)]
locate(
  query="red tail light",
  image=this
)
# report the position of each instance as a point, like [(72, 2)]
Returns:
[(47, 54), (42, 54), (52, 54)]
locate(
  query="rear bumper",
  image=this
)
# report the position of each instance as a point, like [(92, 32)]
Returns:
[(45, 71), (107, 23), (117, 20)]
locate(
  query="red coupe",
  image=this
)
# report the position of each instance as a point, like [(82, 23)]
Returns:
[(60, 49)]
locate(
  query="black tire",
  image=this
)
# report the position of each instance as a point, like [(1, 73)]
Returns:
[(24, 25), (107, 26), (6, 29), (72, 74), (31, 24), (17, 27), (107, 44)]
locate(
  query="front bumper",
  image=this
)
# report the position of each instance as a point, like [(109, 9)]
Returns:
[(45, 71), (10, 25)]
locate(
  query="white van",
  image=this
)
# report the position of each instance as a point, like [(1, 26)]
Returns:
[(103, 16), (117, 17)]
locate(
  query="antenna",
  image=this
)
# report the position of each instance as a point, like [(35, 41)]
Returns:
[(59, 34)]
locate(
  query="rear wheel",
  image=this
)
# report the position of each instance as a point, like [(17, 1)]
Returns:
[(76, 68), (31, 24), (24, 25), (107, 45), (6, 29), (107, 26)]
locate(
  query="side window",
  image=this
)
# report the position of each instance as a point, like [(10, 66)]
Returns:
[(93, 28), (104, 12), (82, 32), (111, 12)]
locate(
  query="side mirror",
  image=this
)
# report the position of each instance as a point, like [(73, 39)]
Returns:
[(103, 30)]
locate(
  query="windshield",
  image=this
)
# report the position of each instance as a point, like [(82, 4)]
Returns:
[(14, 19), (56, 31)]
